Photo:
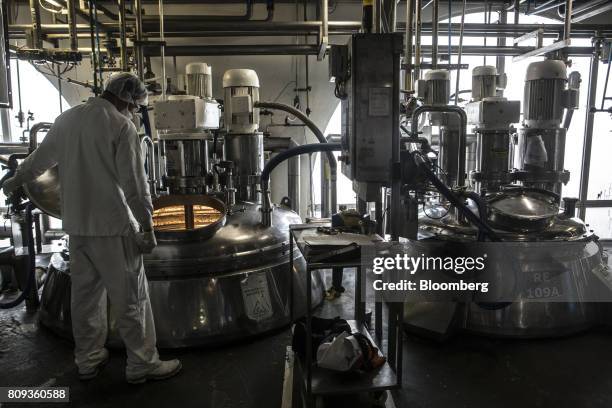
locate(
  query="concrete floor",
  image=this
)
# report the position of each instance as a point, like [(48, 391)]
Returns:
[(466, 371)]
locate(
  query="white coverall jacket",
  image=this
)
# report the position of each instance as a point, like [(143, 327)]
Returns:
[(103, 191)]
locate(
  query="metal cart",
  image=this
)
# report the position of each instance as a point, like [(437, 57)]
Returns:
[(321, 382)]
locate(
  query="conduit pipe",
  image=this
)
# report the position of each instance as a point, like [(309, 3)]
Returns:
[(266, 207), (333, 166), (456, 110)]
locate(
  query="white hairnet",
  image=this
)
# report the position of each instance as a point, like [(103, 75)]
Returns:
[(127, 87)]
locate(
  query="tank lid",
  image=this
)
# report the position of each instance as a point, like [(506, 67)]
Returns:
[(548, 69), (198, 68), (484, 70), (240, 77)]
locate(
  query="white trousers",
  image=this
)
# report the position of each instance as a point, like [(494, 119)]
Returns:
[(101, 266)]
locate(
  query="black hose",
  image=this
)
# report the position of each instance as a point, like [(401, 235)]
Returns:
[(568, 119), (296, 151), (420, 139), (31, 263), (309, 123), (482, 211), (454, 200), (146, 121)]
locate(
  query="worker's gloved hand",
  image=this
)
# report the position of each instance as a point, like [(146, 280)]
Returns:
[(10, 185), (146, 241)]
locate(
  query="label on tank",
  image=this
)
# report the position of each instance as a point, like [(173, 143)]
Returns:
[(256, 296)]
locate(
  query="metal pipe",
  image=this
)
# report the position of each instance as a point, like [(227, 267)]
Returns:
[(293, 179), (5, 121), (138, 51), (151, 165), (376, 27), (456, 110), (36, 27), (280, 144), (500, 62), (290, 49), (567, 24), (459, 55), (333, 166), (324, 21), (408, 86), (12, 148), (591, 13), (266, 208), (71, 17), (417, 39), (588, 129), (123, 54), (162, 49), (434, 34), (174, 24), (37, 127), (517, 4), (248, 13), (545, 7), (233, 49)]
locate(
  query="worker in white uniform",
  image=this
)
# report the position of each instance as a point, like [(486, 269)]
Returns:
[(107, 212)]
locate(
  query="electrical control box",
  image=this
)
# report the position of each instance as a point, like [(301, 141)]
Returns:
[(370, 107), (338, 63), (186, 113)]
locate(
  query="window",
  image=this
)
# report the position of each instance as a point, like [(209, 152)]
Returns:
[(38, 95)]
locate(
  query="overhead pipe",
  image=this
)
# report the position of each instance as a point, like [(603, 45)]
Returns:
[(123, 53), (72, 31), (266, 207), (290, 49), (417, 39), (138, 47), (590, 9), (408, 86), (500, 62), (587, 146), (36, 26), (190, 24), (162, 49), (459, 54), (234, 49), (460, 113), (324, 28), (547, 5), (333, 166), (567, 23), (434, 34)]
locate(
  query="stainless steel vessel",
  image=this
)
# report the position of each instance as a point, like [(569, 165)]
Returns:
[(528, 315), (230, 286)]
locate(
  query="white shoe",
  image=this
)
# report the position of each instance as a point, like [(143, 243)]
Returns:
[(93, 372), (165, 369)]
